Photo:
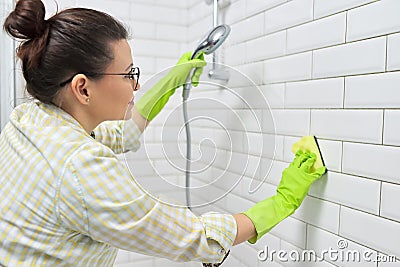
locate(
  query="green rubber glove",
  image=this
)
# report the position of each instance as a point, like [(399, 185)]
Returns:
[(152, 102), (292, 189)]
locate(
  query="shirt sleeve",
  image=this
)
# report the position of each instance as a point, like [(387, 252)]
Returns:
[(121, 136), (100, 198)]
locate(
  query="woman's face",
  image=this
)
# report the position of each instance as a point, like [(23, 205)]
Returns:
[(113, 94)]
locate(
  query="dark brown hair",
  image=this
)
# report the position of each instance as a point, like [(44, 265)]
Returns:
[(75, 40)]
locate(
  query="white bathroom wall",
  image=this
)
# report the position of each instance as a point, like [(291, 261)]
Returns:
[(329, 69)]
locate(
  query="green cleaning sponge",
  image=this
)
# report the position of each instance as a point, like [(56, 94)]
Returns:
[(309, 144)]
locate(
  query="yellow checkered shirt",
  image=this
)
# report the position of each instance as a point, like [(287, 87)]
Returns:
[(66, 200)]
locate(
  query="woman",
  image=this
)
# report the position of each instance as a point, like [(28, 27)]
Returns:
[(65, 198)]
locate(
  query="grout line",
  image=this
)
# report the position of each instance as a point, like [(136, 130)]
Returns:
[(387, 53), (380, 199), (383, 126), (346, 28)]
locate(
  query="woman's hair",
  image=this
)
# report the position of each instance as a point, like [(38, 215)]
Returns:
[(75, 40)]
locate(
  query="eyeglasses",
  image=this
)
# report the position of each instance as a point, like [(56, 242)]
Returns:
[(133, 75)]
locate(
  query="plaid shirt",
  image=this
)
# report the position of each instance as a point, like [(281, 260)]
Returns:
[(66, 200)]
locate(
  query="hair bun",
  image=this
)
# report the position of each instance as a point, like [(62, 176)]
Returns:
[(27, 20)]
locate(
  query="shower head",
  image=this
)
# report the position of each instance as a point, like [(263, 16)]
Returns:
[(212, 40)]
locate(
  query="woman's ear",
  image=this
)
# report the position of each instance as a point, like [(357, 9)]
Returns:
[(79, 88)]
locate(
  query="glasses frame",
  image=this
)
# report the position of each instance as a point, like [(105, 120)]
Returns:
[(133, 72)]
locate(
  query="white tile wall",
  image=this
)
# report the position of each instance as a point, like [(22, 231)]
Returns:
[(317, 34), (328, 68), (287, 15), (375, 161), (390, 198), (393, 54), (352, 191), (324, 8), (373, 91), (376, 19), (348, 125), (319, 240), (391, 131), (324, 93), (268, 46), (288, 68), (348, 59), (373, 231)]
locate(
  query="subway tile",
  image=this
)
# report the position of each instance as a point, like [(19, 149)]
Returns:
[(147, 64), (235, 204), (331, 153), (291, 258), (390, 200), (255, 190), (269, 121), (274, 94), (393, 53), (174, 33), (348, 125), (153, 48), (287, 15), (323, 214), (272, 173), (376, 19), (373, 91), (245, 120), (160, 14), (253, 72), (234, 12), (175, 3), (248, 254), (291, 230), (372, 231), (291, 122), (235, 54), (391, 128), (324, 93), (141, 30), (270, 241), (50, 6), (255, 97), (247, 29), (197, 12), (288, 68), (352, 191), (375, 161), (317, 34), (122, 257), (350, 59), (324, 8), (268, 46), (253, 7), (287, 147), (321, 242), (118, 9)]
